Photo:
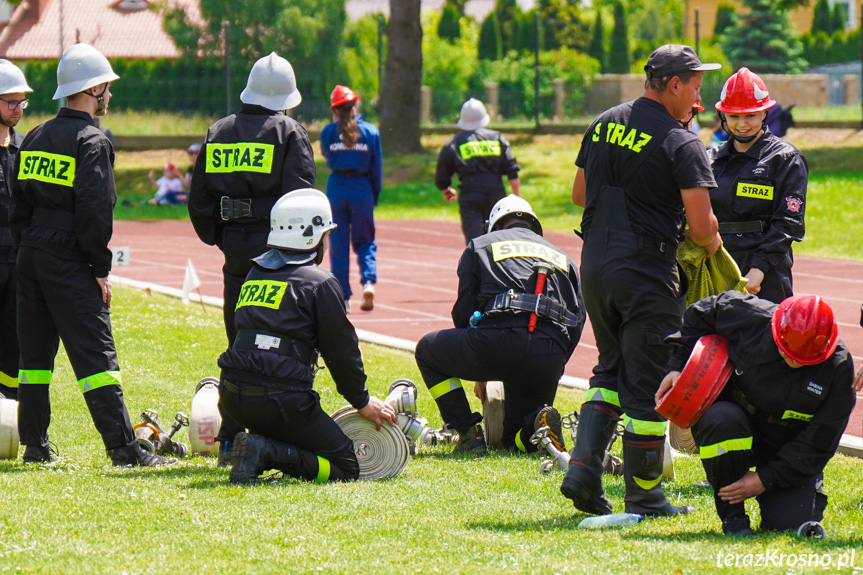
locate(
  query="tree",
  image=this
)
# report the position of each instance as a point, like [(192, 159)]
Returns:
[(726, 18), (763, 41), (838, 18), (561, 25), (449, 28), (618, 59), (821, 17), (490, 45), (526, 39), (508, 13), (597, 41), (400, 97)]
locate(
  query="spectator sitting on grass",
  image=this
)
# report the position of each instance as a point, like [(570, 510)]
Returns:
[(170, 187)]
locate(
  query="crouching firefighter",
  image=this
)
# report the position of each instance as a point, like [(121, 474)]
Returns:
[(527, 294), (782, 412), (288, 311)]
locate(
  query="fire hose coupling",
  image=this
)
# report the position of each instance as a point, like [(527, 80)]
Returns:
[(441, 436), (402, 397), (559, 459), (152, 437)]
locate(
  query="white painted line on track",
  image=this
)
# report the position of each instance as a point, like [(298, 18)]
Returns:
[(828, 278)]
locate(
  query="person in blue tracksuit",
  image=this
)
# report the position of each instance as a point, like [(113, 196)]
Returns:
[(352, 148)]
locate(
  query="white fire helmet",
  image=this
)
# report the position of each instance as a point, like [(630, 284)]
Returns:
[(473, 115), (12, 79), (299, 220), (80, 68), (513, 205), (272, 84)]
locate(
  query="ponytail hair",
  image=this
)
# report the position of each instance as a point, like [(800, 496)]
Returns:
[(347, 126)]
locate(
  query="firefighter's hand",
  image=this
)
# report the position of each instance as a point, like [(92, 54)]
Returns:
[(748, 486), (479, 390), (377, 412), (670, 379), (105, 286), (450, 194), (858, 381), (714, 246), (755, 277)]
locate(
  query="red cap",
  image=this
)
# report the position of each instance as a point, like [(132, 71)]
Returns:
[(744, 93), (170, 167), (804, 329), (342, 95)]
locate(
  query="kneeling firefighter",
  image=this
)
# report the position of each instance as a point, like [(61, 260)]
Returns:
[(526, 294), (288, 311)]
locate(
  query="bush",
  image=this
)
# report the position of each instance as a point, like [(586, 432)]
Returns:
[(448, 67)]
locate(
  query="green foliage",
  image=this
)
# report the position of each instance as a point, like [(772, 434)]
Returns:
[(359, 55), (838, 18), (526, 39), (490, 42), (448, 28), (820, 49), (448, 67), (508, 13), (763, 41), (618, 58), (562, 25), (726, 18), (821, 18), (459, 5), (653, 24), (596, 49)]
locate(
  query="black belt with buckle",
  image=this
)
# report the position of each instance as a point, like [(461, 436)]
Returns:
[(276, 343), (756, 227), (239, 208), (541, 305), (351, 173), (741, 400), (251, 391)]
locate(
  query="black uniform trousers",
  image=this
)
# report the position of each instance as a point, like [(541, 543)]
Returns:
[(634, 298), (722, 434), (239, 245), (60, 299), (530, 366), (9, 353), (296, 418), (474, 209), (777, 284)]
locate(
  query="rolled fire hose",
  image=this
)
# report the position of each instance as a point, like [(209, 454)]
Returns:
[(381, 453), (681, 439)]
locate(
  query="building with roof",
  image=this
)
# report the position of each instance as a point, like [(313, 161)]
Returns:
[(44, 29)]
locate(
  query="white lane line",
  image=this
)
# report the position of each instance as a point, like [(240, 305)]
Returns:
[(828, 278)]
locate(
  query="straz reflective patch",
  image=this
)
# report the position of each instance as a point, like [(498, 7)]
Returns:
[(754, 191), (796, 415), (470, 150), (224, 158), (622, 136), (521, 249), (45, 167), (262, 293)]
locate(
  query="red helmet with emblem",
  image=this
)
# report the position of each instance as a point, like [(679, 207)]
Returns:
[(342, 95), (697, 107), (744, 93), (804, 329)]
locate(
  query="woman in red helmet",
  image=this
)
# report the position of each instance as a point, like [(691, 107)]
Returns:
[(782, 412), (760, 198), (352, 148)]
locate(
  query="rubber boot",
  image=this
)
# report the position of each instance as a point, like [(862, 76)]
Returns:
[(254, 454), (110, 417), (38, 454), (34, 415), (642, 473), (735, 521), (583, 481), (135, 456)]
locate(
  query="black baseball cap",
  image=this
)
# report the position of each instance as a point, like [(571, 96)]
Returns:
[(674, 59)]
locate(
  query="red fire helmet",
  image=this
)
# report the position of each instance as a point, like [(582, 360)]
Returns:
[(342, 95), (744, 93), (804, 329)]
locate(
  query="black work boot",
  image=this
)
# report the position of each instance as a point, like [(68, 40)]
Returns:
[(253, 454), (735, 521), (133, 455), (583, 481), (38, 454), (642, 473), (471, 441), (549, 417)]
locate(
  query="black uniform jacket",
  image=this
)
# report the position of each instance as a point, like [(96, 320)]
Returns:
[(66, 164), (819, 396), (256, 153), (306, 303), (480, 158), (503, 260), (766, 183), (7, 176), (621, 137)]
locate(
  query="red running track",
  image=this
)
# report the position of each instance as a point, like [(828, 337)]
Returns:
[(417, 280)]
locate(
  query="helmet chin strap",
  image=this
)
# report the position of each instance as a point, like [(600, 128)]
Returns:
[(742, 139), (101, 106)]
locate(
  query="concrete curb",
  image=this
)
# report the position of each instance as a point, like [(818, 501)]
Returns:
[(848, 445)]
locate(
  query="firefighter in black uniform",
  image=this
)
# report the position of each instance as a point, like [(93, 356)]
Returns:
[(13, 101), (61, 219), (498, 274), (760, 193), (480, 157), (637, 171), (289, 309), (783, 411), (248, 161)]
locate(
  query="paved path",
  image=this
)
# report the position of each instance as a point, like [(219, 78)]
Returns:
[(417, 281)]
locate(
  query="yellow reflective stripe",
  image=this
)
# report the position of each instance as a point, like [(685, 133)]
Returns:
[(98, 380), (35, 376), (602, 394), (521, 249), (479, 148), (797, 415), (45, 167), (323, 470), (755, 191), (8, 380), (445, 387), (519, 443), (640, 427), (723, 447), (242, 157), (262, 293), (647, 484)]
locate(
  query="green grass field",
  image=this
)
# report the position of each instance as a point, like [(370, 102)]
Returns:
[(443, 514)]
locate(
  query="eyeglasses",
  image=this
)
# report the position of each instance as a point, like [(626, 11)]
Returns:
[(13, 104)]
